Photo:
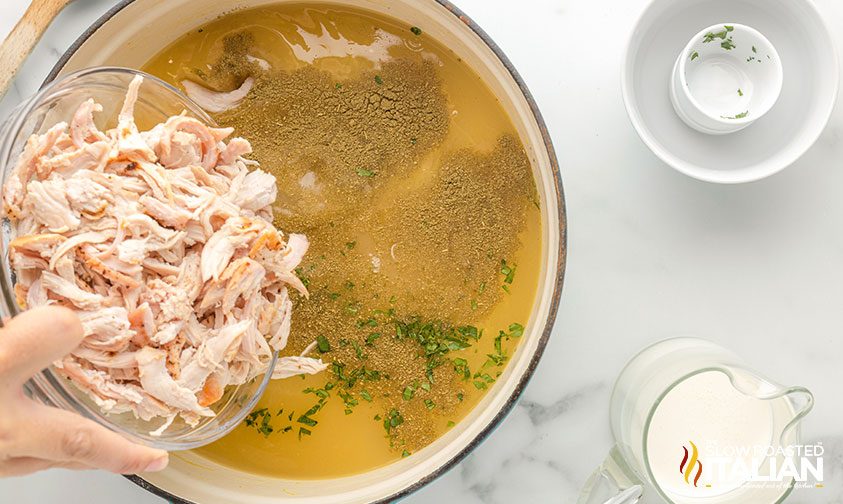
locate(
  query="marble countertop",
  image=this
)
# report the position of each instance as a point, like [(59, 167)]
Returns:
[(653, 254)]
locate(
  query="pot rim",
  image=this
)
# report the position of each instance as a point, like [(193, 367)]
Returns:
[(560, 266)]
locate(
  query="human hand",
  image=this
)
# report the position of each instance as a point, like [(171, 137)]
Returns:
[(33, 436)]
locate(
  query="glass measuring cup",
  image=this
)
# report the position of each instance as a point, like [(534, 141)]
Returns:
[(694, 425), (157, 101)]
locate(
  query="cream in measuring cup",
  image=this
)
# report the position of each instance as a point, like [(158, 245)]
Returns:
[(694, 425)]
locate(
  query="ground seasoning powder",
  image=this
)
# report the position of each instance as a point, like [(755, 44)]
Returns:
[(401, 228)]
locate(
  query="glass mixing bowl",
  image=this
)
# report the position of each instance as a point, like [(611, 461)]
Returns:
[(157, 101)]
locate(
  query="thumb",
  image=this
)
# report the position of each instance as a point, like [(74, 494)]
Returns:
[(62, 436), (36, 338)]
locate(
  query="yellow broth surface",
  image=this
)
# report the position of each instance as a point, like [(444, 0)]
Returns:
[(412, 186)]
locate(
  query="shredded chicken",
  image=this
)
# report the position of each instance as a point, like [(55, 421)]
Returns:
[(214, 101), (162, 242)]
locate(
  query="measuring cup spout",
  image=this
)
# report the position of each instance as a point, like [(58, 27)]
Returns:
[(800, 399)]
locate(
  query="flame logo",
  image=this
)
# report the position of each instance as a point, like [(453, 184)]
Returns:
[(691, 459)]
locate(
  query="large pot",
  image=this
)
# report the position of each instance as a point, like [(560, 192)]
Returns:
[(135, 30)]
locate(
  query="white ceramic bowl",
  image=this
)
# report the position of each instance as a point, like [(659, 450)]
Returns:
[(808, 96), (123, 37), (726, 78)]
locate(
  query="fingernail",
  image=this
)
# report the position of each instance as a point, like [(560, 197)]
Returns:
[(158, 464)]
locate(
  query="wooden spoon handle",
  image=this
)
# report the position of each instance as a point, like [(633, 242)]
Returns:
[(24, 36)]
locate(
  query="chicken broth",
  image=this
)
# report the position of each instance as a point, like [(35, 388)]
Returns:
[(417, 197)]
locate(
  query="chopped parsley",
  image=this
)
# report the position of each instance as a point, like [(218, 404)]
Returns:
[(416, 30), (370, 339), (392, 420), (461, 368), (409, 392), (349, 379), (323, 344), (436, 340), (727, 42), (304, 279), (737, 116), (358, 351), (260, 420), (352, 308), (320, 393), (378, 80), (710, 36), (507, 271), (370, 322), (363, 172), (694, 55), (498, 358), (482, 380), (349, 401), (306, 418), (307, 421), (740, 93)]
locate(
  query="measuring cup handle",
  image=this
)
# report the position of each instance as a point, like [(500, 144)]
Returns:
[(613, 482)]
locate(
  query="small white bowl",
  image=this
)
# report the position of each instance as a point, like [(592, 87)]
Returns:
[(809, 92), (727, 77)]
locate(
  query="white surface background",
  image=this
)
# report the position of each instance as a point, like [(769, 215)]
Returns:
[(653, 254)]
